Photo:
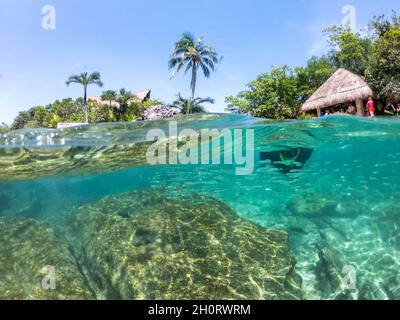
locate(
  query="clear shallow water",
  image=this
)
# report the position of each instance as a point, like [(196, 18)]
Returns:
[(340, 208)]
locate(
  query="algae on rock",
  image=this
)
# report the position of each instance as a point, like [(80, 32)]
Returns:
[(26, 247), (314, 205), (144, 245)]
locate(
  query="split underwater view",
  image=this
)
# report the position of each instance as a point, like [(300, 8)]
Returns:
[(199, 159), (318, 218)]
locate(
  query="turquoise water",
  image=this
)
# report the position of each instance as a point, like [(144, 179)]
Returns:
[(339, 207)]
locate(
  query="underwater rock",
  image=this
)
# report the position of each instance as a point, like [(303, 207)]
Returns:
[(26, 249), (311, 205), (144, 245), (4, 202), (392, 286), (371, 291), (388, 224), (314, 205)]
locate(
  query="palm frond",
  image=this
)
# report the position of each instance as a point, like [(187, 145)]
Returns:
[(73, 79), (205, 100), (192, 54), (206, 71)]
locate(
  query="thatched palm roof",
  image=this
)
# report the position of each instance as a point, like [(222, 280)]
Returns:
[(342, 87), (101, 101), (140, 96), (143, 95)]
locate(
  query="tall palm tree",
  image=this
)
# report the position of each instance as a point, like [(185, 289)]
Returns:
[(192, 54), (123, 98), (109, 95), (190, 105), (85, 80)]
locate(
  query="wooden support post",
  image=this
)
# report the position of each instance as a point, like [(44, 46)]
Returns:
[(360, 107), (319, 112)]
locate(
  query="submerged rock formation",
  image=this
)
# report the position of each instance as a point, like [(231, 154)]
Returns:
[(315, 205), (26, 249), (144, 245), (331, 271)]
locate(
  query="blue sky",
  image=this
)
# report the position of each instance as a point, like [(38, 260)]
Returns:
[(129, 41)]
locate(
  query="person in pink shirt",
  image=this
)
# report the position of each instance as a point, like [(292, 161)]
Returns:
[(371, 107)]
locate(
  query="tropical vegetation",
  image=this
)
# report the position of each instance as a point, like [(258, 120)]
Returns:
[(4, 128), (85, 79), (374, 54), (69, 110), (187, 106), (189, 53)]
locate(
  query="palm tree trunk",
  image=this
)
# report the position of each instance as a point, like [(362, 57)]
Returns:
[(194, 79), (85, 104), (193, 86)]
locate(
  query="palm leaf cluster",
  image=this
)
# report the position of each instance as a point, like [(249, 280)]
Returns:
[(192, 55), (85, 79), (187, 106)]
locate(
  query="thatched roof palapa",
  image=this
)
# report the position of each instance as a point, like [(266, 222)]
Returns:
[(143, 95), (101, 101), (140, 96), (342, 87)]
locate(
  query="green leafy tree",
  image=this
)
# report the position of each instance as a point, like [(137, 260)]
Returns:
[(21, 120), (273, 95), (41, 116), (349, 49), (68, 110), (383, 72), (4, 128), (85, 80), (191, 105), (100, 112), (32, 125), (193, 55), (124, 98), (382, 24)]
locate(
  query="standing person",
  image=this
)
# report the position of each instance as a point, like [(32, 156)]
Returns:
[(371, 107)]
